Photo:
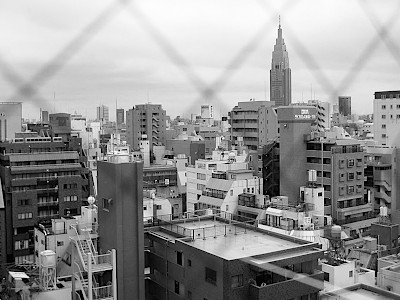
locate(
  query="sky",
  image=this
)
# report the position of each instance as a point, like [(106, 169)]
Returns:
[(73, 55)]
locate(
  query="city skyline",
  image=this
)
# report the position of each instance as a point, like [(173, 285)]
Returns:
[(167, 54)]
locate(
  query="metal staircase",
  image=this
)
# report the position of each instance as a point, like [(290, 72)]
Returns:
[(88, 265)]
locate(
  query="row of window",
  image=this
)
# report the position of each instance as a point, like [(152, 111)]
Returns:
[(391, 106), (24, 216), (391, 116)]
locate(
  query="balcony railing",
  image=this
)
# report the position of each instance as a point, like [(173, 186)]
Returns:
[(49, 203), (103, 292)]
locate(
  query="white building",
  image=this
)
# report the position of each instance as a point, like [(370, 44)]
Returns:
[(323, 114), (387, 118), (222, 190), (154, 206), (199, 174)]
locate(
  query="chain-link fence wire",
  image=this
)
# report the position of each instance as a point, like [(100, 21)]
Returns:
[(29, 90)]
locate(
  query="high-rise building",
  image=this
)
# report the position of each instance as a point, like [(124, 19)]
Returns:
[(387, 118), (280, 73), (146, 122), (294, 122), (345, 105), (40, 180), (255, 122), (103, 114), (323, 114), (120, 116), (121, 221), (10, 120)]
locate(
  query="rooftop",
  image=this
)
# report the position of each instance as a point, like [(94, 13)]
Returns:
[(229, 239), (360, 292)]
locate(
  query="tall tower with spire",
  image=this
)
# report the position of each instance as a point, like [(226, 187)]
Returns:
[(280, 73)]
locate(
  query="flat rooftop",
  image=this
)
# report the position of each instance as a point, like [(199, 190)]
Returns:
[(233, 240), (360, 292)]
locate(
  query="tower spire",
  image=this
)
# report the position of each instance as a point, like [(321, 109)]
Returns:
[(279, 21)]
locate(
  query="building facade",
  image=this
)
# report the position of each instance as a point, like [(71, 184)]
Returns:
[(253, 122), (10, 120), (120, 116), (280, 73), (40, 180), (120, 211), (228, 261), (345, 106), (146, 122), (387, 118), (102, 114)]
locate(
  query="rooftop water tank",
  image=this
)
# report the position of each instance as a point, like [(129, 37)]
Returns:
[(48, 259), (336, 231)]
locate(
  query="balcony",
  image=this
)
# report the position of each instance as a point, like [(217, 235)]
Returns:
[(49, 203), (300, 285)]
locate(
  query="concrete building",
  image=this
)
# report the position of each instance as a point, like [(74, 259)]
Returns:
[(102, 114), (40, 180), (146, 121), (61, 125), (360, 291), (388, 276), (345, 106), (201, 172), (294, 123), (120, 194), (10, 120), (280, 73), (223, 189), (269, 169), (387, 118), (120, 116), (383, 181), (211, 256), (323, 121), (255, 122)]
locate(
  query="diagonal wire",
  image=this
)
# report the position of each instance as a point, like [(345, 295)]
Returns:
[(13, 77), (68, 51), (363, 57), (244, 53), (390, 44), (166, 46)]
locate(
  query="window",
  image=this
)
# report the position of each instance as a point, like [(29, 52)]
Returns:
[(383, 106), (383, 116), (350, 189), (237, 281), (19, 245), (24, 216), (211, 276), (189, 295), (350, 176), (106, 204), (350, 273), (70, 198), (179, 258), (176, 287), (23, 202), (383, 135), (384, 125), (231, 192), (68, 186), (189, 262), (60, 243), (350, 163), (144, 207), (201, 176), (159, 207), (326, 276)]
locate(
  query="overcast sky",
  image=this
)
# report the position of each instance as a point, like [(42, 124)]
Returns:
[(171, 52)]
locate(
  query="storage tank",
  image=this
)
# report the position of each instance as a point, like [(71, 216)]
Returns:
[(336, 231), (48, 259)]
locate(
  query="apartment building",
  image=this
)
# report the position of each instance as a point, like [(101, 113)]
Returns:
[(253, 122), (387, 118), (146, 122), (382, 180), (222, 190), (211, 256), (201, 172), (40, 180)]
